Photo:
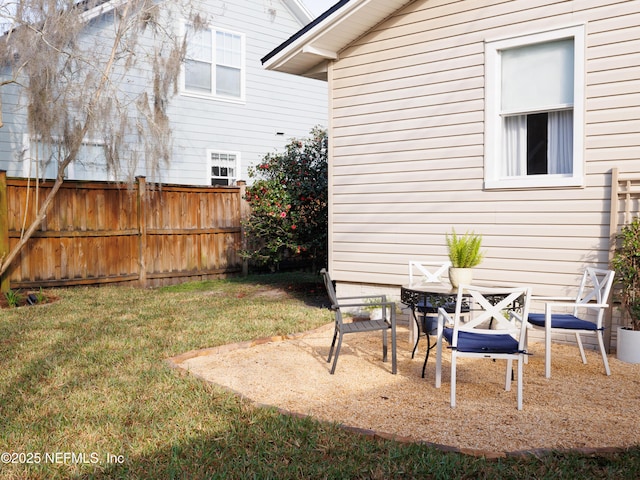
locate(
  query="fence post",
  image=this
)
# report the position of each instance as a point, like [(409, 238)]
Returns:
[(244, 215), (142, 231), (4, 229)]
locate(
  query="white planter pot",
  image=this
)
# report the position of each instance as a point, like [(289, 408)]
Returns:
[(460, 276), (628, 345)]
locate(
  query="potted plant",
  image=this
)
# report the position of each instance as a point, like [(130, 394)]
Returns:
[(626, 263), (464, 254)]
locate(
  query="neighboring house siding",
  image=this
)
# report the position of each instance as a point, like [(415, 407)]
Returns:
[(10, 133), (273, 103), (407, 117), (14, 138)]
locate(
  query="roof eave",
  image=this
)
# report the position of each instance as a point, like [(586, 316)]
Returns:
[(307, 52), (301, 45)]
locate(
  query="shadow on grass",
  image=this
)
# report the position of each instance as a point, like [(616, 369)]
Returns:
[(303, 286), (87, 374), (307, 287), (266, 444)]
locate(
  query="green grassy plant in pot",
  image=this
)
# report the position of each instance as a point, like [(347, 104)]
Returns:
[(626, 263), (464, 253)]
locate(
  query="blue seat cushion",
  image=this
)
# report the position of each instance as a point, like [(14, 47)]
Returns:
[(482, 343), (562, 320), (427, 307)]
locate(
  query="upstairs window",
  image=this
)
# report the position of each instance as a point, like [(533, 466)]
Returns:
[(534, 120), (214, 65)]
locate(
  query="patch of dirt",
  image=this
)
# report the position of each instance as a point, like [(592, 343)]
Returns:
[(311, 293), (27, 299)]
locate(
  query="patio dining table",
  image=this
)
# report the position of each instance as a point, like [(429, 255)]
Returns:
[(433, 296)]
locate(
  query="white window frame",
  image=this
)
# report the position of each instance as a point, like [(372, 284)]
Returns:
[(243, 69), (493, 121), (28, 162), (210, 176)]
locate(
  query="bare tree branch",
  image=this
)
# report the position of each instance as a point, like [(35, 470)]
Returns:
[(73, 64)]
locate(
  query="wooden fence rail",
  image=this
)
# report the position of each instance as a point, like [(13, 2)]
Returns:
[(98, 232)]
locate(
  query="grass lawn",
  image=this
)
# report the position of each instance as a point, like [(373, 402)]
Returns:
[(85, 393)]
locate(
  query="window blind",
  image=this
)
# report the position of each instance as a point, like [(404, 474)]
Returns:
[(537, 77)]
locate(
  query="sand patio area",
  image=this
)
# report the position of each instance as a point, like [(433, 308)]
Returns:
[(578, 408)]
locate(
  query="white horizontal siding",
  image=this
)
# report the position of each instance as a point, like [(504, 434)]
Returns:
[(407, 144)]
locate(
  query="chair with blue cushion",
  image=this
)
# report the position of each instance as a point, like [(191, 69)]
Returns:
[(343, 327), (495, 330), (586, 314)]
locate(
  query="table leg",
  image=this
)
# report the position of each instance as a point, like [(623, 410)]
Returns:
[(426, 357), (415, 331)]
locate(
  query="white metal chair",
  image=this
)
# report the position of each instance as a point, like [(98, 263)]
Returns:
[(387, 322), (592, 298), (496, 330), (427, 272), (423, 273)]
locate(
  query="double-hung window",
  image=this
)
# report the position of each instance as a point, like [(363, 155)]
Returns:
[(534, 112), (214, 65), (42, 160), (223, 167)]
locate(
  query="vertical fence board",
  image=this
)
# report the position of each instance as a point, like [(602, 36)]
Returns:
[(62, 269)]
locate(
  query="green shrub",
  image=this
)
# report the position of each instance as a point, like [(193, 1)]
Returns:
[(13, 298), (288, 203), (626, 263), (41, 297)]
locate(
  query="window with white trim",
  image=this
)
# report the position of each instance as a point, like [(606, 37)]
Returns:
[(223, 167), (214, 64), (41, 160), (534, 112)]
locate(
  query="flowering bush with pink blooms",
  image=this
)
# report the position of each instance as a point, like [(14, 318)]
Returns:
[(288, 201)]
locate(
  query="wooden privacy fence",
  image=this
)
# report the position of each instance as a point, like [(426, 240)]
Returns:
[(98, 233)]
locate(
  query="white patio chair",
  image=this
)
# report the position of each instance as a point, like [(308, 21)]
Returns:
[(592, 297), (387, 322), (496, 330), (421, 273), (424, 273)]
